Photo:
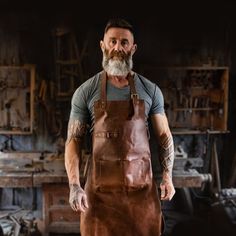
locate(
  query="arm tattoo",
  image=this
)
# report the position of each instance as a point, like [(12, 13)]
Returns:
[(76, 130), (167, 153)]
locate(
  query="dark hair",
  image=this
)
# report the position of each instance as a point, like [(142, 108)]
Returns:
[(119, 23)]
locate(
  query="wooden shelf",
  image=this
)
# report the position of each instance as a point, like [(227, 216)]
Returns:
[(196, 97), (17, 99)]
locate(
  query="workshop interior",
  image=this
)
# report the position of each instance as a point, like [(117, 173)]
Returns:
[(47, 50)]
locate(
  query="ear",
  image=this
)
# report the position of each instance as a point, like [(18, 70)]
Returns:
[(133, 49), (102, 45)]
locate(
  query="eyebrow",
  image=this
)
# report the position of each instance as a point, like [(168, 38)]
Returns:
[(123, 39)]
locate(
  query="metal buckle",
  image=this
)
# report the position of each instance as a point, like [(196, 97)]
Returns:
[(103, 104), (134, 95)]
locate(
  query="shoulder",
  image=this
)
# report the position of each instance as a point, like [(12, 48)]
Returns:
[(90, 83), (145, 81), (89, 86), (147, 84)]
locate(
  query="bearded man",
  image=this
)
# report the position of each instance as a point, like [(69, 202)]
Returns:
[(120, 197)]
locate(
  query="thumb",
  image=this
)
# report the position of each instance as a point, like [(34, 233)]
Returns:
[(163, 190)]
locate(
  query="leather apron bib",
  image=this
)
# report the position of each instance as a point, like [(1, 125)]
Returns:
[(122, 196)]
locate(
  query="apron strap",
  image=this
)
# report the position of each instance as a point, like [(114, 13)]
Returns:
[(133, 94), (104, 89)]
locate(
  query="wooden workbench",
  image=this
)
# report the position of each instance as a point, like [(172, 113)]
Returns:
[(58, 217), (18, 170), (22, 179)]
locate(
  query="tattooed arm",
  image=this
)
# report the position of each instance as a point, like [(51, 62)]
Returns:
[(75, 135), (162, 131)]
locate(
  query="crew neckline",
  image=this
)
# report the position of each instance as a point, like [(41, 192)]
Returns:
[(123, 88)]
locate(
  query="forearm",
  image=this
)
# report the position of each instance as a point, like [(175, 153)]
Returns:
[(72, 162), (76, 132), (166, 154)]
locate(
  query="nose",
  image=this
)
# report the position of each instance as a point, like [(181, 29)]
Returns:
[(118, 47)]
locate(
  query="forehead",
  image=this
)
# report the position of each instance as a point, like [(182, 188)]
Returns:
[(119, 33)]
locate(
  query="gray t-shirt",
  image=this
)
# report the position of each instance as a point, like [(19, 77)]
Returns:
[(89, 92)]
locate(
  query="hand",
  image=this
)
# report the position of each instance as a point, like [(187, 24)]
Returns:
[(167, 188), (78, 198)]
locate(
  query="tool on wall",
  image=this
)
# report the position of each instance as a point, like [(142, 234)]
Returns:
[(8, 105)]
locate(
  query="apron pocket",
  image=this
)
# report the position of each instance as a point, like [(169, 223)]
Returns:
[(108, 175), (138, 172)]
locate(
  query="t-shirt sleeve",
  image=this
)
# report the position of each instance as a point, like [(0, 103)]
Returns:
[(158, 102), (79, 110)]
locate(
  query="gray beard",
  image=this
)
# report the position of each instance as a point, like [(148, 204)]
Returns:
[(117, 67)]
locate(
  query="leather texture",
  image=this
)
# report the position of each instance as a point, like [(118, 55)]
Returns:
[(123, 198)]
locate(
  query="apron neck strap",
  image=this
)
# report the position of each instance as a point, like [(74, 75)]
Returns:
[(133, 93), (104, 89)]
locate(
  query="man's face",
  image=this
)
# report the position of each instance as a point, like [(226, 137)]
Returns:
[(118, 47)]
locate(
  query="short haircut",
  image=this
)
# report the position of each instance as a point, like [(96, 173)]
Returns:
[(119, 23)]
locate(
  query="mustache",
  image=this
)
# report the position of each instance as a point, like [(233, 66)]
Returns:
[(119, 54)]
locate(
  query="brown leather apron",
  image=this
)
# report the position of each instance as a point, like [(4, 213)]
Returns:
[(122, 196)]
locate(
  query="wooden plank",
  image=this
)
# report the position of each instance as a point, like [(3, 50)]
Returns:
[(47, 177), (16, 180)]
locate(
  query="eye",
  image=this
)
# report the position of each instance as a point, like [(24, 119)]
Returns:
[(125, 43), (113, 41)]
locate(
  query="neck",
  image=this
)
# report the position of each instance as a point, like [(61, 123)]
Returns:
[(118, 81)]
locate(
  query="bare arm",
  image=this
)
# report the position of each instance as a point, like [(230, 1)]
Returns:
[(75, 135), (165, 140)]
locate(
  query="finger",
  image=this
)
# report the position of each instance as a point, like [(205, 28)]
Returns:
[(72, 205), (170, 194), (75, 204), (163, 194), (163, 191), (79, 205), (166, 197), (85, 201)]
